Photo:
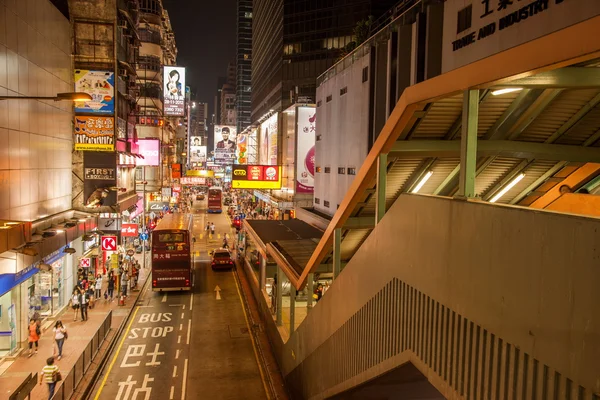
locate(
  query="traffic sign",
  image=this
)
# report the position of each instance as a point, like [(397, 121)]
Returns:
[(109, 243), (144, 236)]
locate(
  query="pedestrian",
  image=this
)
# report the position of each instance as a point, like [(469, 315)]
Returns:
[(60, 334), (51, 375), (104, 287), (111, 285), (207, 227), (98, 286), (75, 302), (85, 301), (212, 228), (34, 336), (124, 282)]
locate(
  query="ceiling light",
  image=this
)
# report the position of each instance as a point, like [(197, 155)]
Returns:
[(505, 90), (507, 188), (422, 182)]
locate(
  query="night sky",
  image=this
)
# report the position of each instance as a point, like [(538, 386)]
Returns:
[(205, 33)]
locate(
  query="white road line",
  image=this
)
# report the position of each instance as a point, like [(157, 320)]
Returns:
[(164, 299), (174, 371), (182, 315), (172, 393), (175, 305), (178, 339), (189, 331), (185, 362), (191, 301), (177, 354), (183, 307), (180, 327)]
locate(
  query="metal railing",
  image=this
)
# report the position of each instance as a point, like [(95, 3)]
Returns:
[(25, 388), (71, 379)]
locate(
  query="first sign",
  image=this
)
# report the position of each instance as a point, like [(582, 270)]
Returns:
[(109, 243)]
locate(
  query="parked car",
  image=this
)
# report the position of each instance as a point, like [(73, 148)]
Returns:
[(200, 196), (221, 259)]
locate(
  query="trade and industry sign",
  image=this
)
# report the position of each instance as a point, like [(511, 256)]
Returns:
[(174, 91), (101, 86), (225, 144), (129, 230), (256, 177), (268, 141), (305, 150), (150, 149), (94, 133), (100, 172)]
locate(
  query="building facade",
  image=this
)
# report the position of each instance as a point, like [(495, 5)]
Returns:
[(243, 84)]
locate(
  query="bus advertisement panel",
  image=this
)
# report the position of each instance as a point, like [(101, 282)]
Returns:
[(215, 197), (171, 253)]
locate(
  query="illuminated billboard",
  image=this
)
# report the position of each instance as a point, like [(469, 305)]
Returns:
[(94, 133), (256, 177), (225, 146), (174, 93), (241, 149), (305, 157), (150, 149), (197, 154), (101, 86), (268, 141)]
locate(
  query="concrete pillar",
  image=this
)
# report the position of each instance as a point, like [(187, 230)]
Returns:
[(468, 144), (279, 299), (292, 308), (310, 289), (262, 273), (337, 252), (381, 187)]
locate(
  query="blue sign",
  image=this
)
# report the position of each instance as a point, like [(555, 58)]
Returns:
[(143, 236), (101, 86)]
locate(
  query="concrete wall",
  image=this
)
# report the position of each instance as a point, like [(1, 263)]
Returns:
[(479, 297), (35, 136)]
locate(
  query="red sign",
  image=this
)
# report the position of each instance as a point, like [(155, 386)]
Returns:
[(255, 173), (130, 230), (109, 243), (85, 263), (192, 180)]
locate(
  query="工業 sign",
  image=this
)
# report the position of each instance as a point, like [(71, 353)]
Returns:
[(109, 243), (94, 133), (256, 177)]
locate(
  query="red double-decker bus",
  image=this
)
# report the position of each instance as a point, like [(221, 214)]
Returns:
[(171, 253), (215, 198)]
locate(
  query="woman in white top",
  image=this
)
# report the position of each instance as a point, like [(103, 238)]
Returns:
[(60, 334), (98, 287), (75, 303)]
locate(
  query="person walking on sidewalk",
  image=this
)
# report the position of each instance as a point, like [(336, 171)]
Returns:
[(34, 336), (51, 375), (212, 228), (104, 287), (111, 285), (98, 286), (75, 302), (85, 300), (60, 334)]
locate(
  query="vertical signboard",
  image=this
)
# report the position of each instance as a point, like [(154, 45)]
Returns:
[(94, 133), (100, 172), (174, 91), (268, 141), (225, 138), (101, 86), (305, 150), (198, 154), (241, 149), (150, 149)]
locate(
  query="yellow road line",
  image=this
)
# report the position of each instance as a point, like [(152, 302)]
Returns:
[(116, 355), (262, 374)]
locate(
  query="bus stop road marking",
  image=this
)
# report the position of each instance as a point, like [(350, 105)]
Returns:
[(164, 299)]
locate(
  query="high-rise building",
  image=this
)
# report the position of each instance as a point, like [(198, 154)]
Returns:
[(227, 113), (243, 85), (294, 41)]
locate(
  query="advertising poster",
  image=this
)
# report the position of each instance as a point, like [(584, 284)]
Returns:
[(94, 133), (225, 144), (100, 171), (305, 158), (268, 141), (198, 154), (101, 86), (256, 177), (174, 91), (241, 149), (150, 149), (175, 171)]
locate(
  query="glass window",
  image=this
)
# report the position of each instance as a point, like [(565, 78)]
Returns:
[(170, 237)]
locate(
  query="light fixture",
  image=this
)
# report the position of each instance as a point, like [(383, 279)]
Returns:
[(505, 90), (8, 225), (59, 231), (507, 188), (422, 182), (82, 220)]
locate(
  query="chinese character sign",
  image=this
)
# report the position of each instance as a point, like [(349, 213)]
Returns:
[(101, 86), (305, 162), (94, 133), (174, 94)]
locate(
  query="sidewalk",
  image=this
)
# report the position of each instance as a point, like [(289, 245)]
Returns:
[(80, 334)]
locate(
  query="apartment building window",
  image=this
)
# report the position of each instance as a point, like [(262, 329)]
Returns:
[(343, 90), (365, 74), (326, 203), (465, 17), (351, 171), (327, 170), (317, 200), (318, 169), (328, 99), (341, 170)]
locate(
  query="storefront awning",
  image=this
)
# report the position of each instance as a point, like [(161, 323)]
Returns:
[(9, 281)]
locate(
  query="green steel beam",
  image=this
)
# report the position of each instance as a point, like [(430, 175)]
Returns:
[(337, 252), (381, 187), (468, 144)]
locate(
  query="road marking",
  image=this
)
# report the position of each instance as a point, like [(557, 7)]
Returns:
[(172, 393), (175, 305), (262, 374), (180, 327), (164, 299), (183, 307), (182, 315), (177, 354), (218, 292), (185, 362), (112, 363), (192, 302), (178, 339), (174, 371), (197, 253), (189, 331)]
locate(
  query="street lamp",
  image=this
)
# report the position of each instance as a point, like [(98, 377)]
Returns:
[(71, 96)]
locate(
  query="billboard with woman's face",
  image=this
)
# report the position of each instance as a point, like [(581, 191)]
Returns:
[(268, 141), (174, 91)]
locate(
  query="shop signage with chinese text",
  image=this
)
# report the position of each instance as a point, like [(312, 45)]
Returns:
[(193, 180), (256, 177), (94, 133), (129, 230)]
